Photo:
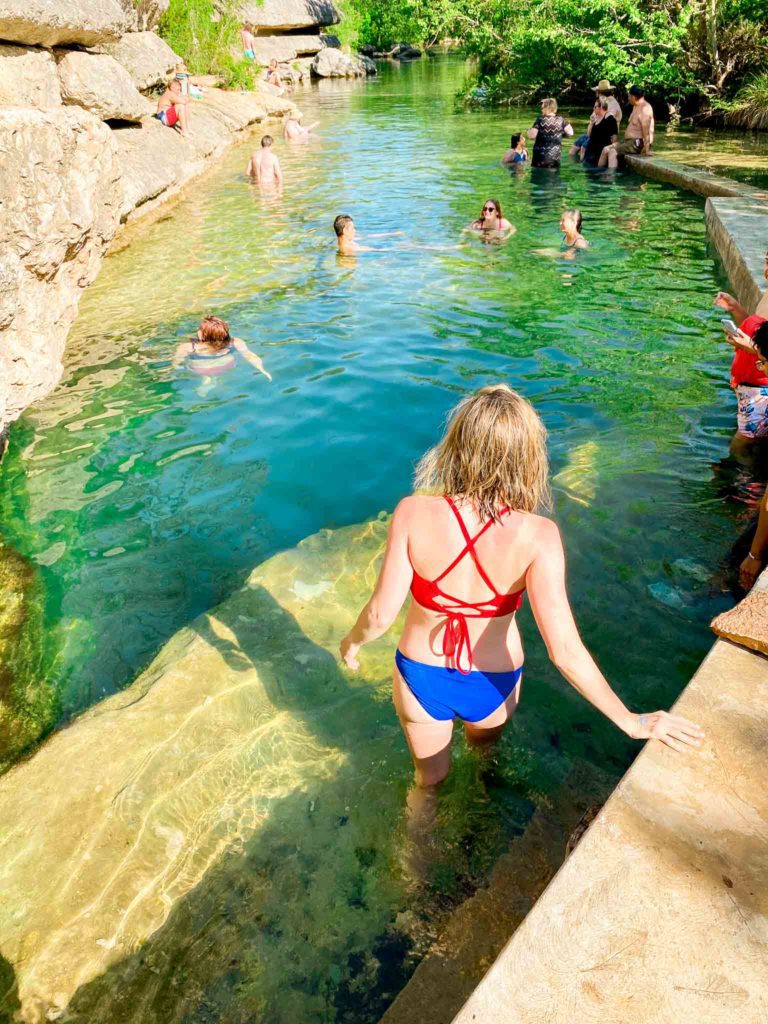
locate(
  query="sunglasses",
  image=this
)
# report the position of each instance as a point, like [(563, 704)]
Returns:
[(489, 209)]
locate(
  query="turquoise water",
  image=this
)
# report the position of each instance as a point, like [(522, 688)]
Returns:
[(145, 498)]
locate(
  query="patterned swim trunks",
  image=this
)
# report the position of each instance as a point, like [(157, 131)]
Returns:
[(752, 412)]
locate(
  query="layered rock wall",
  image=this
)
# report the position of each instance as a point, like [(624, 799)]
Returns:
[(81, 153)]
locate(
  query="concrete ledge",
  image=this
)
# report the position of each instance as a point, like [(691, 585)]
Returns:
[(661, 913), (694, 179), (739, 229)]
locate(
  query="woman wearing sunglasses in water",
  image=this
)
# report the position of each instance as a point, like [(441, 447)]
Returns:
[(492, 221)]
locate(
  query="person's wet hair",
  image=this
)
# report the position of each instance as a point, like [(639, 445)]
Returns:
[(577, 218), (340, 224), (214, 331), (637, 92), (515, 139), (267, 140), (760, 338)]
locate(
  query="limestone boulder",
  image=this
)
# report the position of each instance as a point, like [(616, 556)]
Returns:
[(285, 48), (149, 13), (288, 15), (146, 57), (98, 83), (60, 195), (28, 78), (62, 22), (332, 63)]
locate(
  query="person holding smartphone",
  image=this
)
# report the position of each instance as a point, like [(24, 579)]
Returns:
[(749, 378), (754, 562)]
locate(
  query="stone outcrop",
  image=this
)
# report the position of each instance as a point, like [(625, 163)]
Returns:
[(59, 208), (98, 83), (285, 48), (146, 57), (149, 13), (62, 22), (331, 63), (287, 15), (28, 78)]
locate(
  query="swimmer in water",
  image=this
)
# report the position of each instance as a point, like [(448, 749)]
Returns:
[(345, 230), (213, 351), (492, 222), (264, 167), (517, 153), (570, 225), (294, 131)]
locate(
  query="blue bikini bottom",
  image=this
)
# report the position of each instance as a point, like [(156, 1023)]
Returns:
[(446, 693)]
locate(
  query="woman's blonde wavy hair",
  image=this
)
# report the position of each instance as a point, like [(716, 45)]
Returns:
[(493, 454)]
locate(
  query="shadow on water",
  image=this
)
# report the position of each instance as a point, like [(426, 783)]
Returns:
[(298, 921)]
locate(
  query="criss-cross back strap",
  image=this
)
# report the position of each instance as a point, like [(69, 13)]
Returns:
[(470, 547)]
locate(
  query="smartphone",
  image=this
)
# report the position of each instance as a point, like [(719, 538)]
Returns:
[(729, 326)]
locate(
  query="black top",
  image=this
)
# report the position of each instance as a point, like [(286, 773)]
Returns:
[(546, 148), (600, 137)]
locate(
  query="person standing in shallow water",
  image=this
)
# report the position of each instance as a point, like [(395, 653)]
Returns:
[(547, 132), (264, 166), (468, 553)]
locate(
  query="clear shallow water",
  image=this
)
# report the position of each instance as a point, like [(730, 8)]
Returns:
[(145, 499)]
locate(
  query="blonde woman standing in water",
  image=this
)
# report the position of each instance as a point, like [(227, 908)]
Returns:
[(467, 553)]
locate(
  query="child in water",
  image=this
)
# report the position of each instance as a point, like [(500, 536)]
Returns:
[(213, 352), (517, 153)]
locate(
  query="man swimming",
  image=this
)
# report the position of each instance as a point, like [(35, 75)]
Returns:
[(294, 131), (344, 227), (264, 166)]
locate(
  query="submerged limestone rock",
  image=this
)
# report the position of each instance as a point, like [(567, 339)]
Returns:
[(28, 78), (229, 816), (146, 57), (28, 705), (62, 22), (98, 83), (59, 207)]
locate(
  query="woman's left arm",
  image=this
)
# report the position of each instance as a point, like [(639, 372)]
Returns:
[(390, 591), (251, 357)]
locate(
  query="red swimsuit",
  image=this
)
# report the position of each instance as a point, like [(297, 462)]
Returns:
[(456, 634)]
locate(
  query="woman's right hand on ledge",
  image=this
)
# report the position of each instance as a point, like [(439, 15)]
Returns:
[(675, 731)]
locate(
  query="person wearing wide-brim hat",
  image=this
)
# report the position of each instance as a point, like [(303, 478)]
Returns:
[(604, 88)]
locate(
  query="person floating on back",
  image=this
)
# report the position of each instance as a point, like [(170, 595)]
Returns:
[(172, 107), (294, 131), (570, 225), (517, 153), (638, 137), (264, 166), (213, 351)]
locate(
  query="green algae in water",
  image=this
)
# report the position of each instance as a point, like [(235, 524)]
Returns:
[(29, 703)]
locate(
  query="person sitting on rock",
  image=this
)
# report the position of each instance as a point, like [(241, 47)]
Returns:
[(294, 131), (272, 75), (264, 166), (246, 34), (172, 107), (517, 153)]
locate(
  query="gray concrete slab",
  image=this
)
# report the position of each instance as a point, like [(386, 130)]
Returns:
[(739, 229)]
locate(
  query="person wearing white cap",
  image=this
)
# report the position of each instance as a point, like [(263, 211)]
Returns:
[(603, 88)]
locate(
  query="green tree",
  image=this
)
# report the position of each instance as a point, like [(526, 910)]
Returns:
[(207, 35)]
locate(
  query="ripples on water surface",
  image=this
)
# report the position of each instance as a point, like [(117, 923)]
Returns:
[(145, 499)]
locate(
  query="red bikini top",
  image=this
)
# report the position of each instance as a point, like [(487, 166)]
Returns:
[(456, 634)]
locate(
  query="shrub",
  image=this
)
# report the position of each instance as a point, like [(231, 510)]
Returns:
[(207, 36)]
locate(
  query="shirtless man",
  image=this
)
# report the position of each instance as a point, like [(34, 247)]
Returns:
[(264, 167), (172, 107), (296, 132), (246, 35), (344, 227), (638, 138)]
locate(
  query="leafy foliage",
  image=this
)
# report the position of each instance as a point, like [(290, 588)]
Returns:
[(682, 50), (207, 36)]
